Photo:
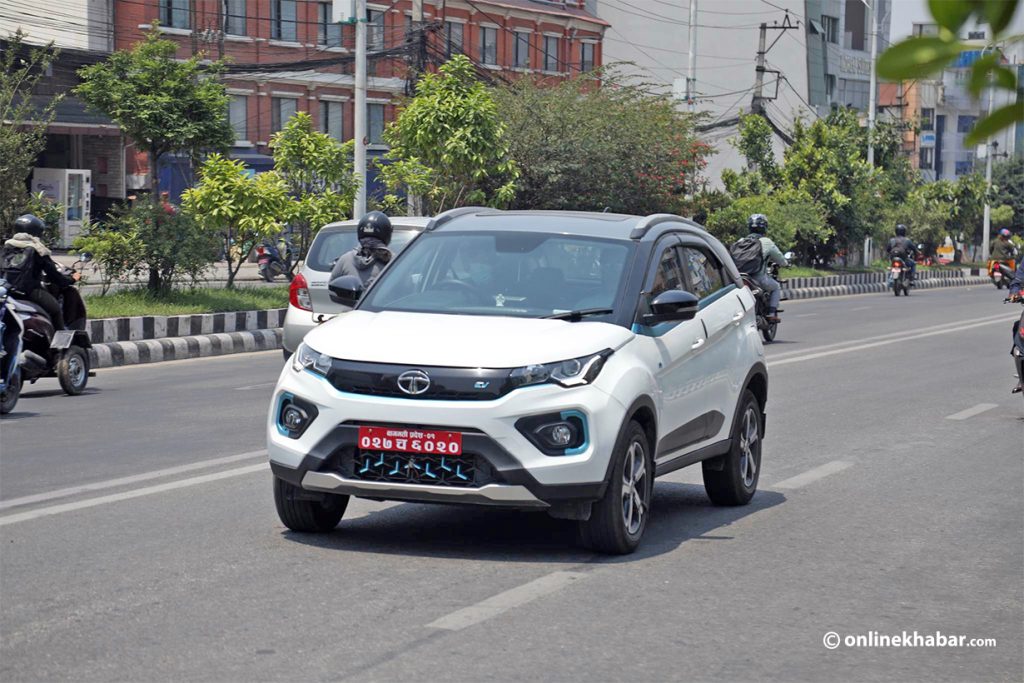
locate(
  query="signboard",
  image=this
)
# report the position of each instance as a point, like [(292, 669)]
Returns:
[(927, 139)]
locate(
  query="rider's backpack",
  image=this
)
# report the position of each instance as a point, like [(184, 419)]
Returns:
[(17, 264), (748, 254)]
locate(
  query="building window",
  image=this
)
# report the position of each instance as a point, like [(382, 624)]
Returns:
[(551, 53), (488, 45), (926, 158), (282, 20), (586, 56), (830, 86), (926, 30), (453, 37), (856, 18), (331, 118), (374, 29), (831, 26), (174, 13), (281, 109), (964, 124), (522, 51), (375, 121), (327, 32), (927, 119), (964, 167), (238, 116), (234, 17)]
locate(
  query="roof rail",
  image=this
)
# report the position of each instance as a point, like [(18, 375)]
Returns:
[(649, 222), (445, 216)]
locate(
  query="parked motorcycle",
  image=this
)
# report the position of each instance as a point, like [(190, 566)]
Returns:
[(49, 352), (11, 330), (768, 329), (899, 276), (272, 262), (1001, 276)]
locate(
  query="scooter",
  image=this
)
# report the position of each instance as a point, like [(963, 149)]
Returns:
[(11, 330), (271, 261), (899, 276), (768, 329), (49, 352), (1001, 272)]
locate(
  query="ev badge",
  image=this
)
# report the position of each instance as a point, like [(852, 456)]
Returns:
[(414, 382)]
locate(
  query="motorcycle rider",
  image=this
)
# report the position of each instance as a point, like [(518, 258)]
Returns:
[(758, 225), (1017, 283), (25, 259), (903, 247), (1002, 251), (369, 257)]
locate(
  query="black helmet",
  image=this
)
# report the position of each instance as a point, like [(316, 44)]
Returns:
[(375, 224), (758, 223), (33, 225), (901, 230)]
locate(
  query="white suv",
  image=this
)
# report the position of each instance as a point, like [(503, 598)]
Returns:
[(537, 360)]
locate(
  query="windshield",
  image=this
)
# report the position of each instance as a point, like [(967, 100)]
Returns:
[(523, 274), (329, 245)]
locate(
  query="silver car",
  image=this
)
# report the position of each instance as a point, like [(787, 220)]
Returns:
[(309, 302)]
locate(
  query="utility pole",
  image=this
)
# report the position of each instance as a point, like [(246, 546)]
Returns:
[(361, 133), (691, 72), (871, 93), (757, 105), (986, 226)]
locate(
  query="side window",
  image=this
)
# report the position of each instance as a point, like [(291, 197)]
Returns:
[(668, 275), (703, 272)]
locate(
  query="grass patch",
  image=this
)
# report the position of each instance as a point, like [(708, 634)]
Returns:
[(133, 302), (802, 271)]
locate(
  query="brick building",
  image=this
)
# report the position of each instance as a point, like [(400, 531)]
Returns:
[(286, 56)]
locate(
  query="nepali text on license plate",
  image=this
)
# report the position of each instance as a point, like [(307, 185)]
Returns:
[(406, 440)]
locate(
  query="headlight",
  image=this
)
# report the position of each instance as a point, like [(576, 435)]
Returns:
[(568, 373), (306, 358)]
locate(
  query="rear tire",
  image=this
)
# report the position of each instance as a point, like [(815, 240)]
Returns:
[(736, 482), (9, 398), (769, 332), (73, 370), (307, 516), (287, 354), (896, 287), (267, 275), (617, 521)]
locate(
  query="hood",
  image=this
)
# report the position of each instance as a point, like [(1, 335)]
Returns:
[(23, 240), (460, 340)]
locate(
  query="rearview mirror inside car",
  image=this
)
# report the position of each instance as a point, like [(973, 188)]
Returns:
[(673, 305), (345, 290)]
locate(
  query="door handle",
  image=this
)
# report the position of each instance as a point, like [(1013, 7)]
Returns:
[(738, 316), (697, 344)]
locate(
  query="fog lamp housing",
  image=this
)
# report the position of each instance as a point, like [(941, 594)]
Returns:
[(562, 433), (294, 415)]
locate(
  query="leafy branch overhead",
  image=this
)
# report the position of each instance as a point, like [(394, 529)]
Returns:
[(923, 56)]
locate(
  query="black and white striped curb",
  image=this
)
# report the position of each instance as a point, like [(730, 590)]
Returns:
[(875, 287), (871, 278), (106, 330), (113, 354)]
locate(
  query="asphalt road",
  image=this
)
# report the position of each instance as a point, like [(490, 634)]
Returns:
[(138, 538)]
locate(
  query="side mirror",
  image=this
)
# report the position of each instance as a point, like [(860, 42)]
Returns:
[(788, 256), (674, 305), (346, 290), (86, 257)]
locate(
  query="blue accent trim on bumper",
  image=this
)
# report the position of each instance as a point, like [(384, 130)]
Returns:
[(566, 414)]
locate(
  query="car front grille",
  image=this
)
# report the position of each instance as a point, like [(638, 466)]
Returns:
[(414, 468), (446, 384)]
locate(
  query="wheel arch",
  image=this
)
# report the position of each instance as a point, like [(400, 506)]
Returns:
[(757, 383)]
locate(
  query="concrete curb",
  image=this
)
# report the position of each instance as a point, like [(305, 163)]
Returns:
[(115, 354), (107, 330), (878, 287)]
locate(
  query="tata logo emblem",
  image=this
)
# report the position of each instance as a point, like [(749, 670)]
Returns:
[(414, 382)]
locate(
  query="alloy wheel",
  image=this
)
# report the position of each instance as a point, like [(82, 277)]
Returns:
[(634, 488), (750, 447)]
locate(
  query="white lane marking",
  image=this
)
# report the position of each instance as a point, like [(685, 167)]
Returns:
[(133, 479), (861, 308), (971, 412), (864, 347), (128, 495), (502, 602), (921, 330), (805, 315), (256, 386), (813, 475)]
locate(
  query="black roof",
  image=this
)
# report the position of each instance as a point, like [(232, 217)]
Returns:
[(582, 223)]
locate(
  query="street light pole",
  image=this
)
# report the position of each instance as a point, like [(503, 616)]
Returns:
[(360, 133), (873, 86), (691, 72), (986, 226)]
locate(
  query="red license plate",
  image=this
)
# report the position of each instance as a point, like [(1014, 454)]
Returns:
[(406, 440), (264, 259)]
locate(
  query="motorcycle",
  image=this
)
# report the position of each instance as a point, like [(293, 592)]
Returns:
[(271, 261), (1000, 276), (899, 276), (49, 352), (768, 329), (11, 330), (1017, 350)]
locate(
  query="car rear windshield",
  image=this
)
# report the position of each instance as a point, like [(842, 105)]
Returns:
[(333, 242), (526, 274)]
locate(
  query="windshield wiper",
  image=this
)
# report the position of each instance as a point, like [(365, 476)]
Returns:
[(576, 316)]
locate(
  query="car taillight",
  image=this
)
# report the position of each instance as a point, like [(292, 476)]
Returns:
[(260, 251), (298, 294), (896, 264)]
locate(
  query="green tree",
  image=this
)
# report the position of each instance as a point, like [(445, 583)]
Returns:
[(163, 104), (923, 56), (318, 172), (598, 141), (451, 142), (22, 123), (244, 210), (794, 219), (1002, 216), (1008, 188)]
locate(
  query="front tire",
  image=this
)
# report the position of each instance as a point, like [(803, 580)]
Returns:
[(307, 515), (9, 398), (73, 370), (769, 332), (736, 481), (617, 521)]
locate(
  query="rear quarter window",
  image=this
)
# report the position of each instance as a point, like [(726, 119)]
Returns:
[(330, 244)]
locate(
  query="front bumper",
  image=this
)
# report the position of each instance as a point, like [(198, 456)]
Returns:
[(512, 471)]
